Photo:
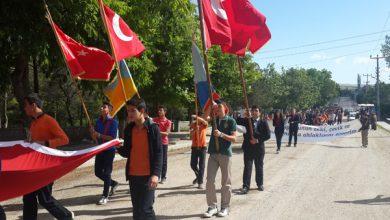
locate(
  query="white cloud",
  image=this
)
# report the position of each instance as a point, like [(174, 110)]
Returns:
[(339, 60), (319, 56), (362, 60)]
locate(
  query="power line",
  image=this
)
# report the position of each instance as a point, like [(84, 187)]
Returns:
[(333, 58), (317, 50), (325, 42)]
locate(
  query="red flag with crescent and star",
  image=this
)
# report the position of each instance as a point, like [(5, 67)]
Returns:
[(124, 41), (88, 63), (248, 27), (217, 28)]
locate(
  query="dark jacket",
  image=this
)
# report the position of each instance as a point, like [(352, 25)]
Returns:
[(261, 132), (155, 147), (365, 121), (294, 121), (279, 128)]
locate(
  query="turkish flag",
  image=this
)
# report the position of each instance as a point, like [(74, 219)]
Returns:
[(124, 41), (26, 167), (217, 28), (248, 27), (87, 63)]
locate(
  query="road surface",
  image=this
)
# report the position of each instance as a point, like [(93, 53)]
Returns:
[(329, 180)]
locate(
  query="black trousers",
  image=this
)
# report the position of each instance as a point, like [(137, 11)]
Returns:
[(198, 157), (142, 198), (256, 157), (293, 132), (279, 136), (103, 169), (165, 162), (45, 198), (2, 213)]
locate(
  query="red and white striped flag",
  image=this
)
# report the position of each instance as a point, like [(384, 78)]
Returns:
[(27, 167)]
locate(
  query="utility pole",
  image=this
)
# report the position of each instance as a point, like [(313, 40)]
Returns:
[(378, 112)]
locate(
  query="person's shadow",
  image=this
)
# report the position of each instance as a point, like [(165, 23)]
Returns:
[(378, 200)]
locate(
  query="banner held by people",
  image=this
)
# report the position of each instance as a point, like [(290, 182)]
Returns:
[(307, 133), (26, 167)]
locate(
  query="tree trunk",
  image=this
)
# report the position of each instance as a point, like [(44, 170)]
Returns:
[(5, 115), (68, 104), (21, 84), (35, 70)]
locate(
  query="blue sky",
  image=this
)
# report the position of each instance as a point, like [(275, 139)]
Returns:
[(300, 22)]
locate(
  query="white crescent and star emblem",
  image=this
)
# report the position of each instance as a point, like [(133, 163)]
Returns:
[(117, 29), (218, 10), (82, 53)]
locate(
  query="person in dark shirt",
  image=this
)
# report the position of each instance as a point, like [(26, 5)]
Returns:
[(278, 123), (293, 121)]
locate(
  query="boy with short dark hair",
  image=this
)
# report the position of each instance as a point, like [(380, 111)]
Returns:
[(46, 131), (165, 128), (143, 150), (106, 129)]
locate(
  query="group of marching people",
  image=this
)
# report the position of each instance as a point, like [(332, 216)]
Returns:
[(145, 147)]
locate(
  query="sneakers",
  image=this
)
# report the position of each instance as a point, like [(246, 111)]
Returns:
[(200, 186), (195, 181), (71, 215), (113, 188), (260, 188), (163, 180), (223, 213), (288, 145), (244, 190), (102, 201), (277, 151), (295, 145), (211, 211)]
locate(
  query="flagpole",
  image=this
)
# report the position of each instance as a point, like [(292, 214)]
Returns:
[(103, 15), (214, 122), (246, 103), (50, 19), (196, 113)]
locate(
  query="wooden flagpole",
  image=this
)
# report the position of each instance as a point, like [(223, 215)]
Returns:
[(206, 63), (49, 18), (196, 113), (103, 15), (246, 103)]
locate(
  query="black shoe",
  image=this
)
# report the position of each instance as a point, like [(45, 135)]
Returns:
[(295, 145), (260, 188), (195, 181), (244, 190), (288, 145), (114, 186)]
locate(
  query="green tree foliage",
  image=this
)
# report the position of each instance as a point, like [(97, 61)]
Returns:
[(294, 88), (368, 96), (32, 61)]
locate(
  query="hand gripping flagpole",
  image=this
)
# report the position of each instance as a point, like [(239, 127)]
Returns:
[(246, 103), (103, 15), (206, 63), (49, 18)]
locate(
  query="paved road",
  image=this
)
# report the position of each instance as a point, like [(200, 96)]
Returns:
[(329, 180)]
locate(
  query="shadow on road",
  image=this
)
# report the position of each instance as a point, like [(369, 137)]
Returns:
[(378, 200), (87, 186), (69, 202), (178, 216), (339, 147)]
